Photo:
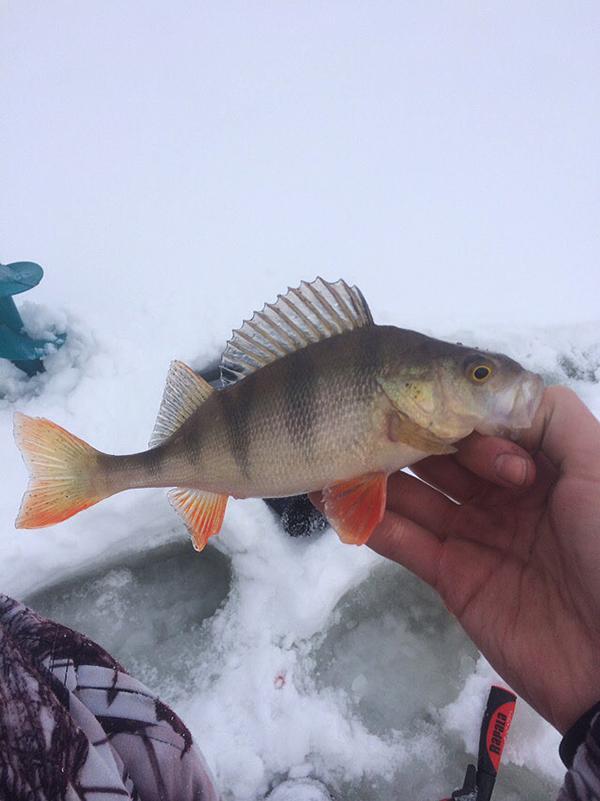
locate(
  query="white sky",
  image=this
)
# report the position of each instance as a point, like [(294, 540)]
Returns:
[(443, 155)]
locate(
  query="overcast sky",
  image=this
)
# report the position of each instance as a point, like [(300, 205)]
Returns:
[(445, 156)]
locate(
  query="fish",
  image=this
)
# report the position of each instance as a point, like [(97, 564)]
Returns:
[(315, 397)]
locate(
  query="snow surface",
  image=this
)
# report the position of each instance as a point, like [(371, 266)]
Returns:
[(174, 166), (286, 657)]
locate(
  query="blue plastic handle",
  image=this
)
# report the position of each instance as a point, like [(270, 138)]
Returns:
[(19, 347), (19, 277), (26, 353)]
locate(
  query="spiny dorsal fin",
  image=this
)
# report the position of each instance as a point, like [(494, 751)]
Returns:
[(308, 314), (184, 392)]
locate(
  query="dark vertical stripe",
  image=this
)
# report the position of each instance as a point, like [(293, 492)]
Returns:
[(300, 407), (370, 356), (237, 403)]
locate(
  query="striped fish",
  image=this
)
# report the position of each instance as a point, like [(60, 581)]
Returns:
[(316, 397)]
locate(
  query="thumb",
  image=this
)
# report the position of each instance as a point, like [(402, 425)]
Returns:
[(566, 431)]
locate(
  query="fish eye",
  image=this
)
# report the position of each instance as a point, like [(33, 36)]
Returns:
[(480, 373)]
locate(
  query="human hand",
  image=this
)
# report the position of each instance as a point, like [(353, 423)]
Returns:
[(517, 557)]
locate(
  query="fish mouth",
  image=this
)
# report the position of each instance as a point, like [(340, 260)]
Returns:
[(515, 411), (527, 401)]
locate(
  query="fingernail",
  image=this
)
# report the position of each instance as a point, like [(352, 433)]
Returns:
[(511, 468)]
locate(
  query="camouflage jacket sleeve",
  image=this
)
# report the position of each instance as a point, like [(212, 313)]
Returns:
[(580, 751), (75, 725)]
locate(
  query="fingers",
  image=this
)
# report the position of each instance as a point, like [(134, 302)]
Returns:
[(480, 464), (497, 460), (409, 544), (566, 431), (453, 479), (417, 502), (416, 526), (412, 498), (403, 540)]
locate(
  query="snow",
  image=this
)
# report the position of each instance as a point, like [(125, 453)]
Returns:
[(286, 657), (172, 171), (300, 789)]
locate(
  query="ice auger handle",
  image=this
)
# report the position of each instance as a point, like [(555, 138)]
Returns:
[(479, 781)]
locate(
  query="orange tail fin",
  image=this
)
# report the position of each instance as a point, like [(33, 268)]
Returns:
[(63, 470)]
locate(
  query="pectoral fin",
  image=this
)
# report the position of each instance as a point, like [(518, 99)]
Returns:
[(402, 429), (202, 512), (355, 507)]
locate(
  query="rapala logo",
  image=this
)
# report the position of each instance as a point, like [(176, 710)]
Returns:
[(479, 781), (497, 732)]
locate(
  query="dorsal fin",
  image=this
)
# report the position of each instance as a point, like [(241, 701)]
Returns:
[(308, 314), (184, 392)]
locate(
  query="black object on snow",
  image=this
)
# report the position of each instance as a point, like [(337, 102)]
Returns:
[(468, 792), (298, 516)]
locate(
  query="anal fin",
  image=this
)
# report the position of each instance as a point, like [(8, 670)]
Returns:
[(356, 506), (202, 512)]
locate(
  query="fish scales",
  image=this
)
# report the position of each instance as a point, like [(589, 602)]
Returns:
[(312, 417), (324, 399), (299, 421)]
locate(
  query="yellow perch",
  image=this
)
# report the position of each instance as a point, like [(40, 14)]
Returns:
[(317, 397)]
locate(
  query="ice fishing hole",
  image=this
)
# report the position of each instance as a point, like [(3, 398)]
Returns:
[(147, 610)]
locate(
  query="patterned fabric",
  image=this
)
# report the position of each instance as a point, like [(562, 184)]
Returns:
[(582, 782), (74, 726)]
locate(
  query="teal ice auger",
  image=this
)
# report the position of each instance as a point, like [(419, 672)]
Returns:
[(15, 344)]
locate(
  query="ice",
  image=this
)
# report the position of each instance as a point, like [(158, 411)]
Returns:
[(131, 606), (287, 657), (373, 688), (173, 170), (300, 790)]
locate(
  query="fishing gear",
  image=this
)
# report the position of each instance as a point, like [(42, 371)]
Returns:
[(479, 781)]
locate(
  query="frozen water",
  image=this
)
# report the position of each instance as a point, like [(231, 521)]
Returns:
[(389, 632), (146, 609), (389, 662), (286, 657), (173, 170), (300, 790), (401, 660)]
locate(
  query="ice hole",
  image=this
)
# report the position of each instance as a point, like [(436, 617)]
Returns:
[(146, 610), (400, 658)]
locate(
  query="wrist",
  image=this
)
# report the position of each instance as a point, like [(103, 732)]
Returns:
[(576, 702), (576, 735)]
